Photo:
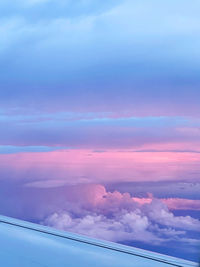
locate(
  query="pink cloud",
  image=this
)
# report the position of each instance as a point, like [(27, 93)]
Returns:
[(93, 211), (87, 166), (173, 203), (182, 204)]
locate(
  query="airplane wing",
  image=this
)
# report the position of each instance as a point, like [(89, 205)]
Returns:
[(24, 244)]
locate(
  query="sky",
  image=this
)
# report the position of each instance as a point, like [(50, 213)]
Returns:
[(101, 98)]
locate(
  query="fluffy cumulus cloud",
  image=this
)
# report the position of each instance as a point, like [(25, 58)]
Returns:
[(128, 226), (92, 210), (119, 217)]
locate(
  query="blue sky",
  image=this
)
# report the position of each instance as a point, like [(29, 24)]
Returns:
[(85, 55), (100, 68)]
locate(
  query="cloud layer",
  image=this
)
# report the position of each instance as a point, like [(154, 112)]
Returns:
[(73, 166), (91, 210), (92, 56)]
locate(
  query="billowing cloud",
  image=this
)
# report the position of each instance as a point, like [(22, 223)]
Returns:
[(129, 226), (93, 211)]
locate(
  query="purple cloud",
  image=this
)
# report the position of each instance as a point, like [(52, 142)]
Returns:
[(91, 210)]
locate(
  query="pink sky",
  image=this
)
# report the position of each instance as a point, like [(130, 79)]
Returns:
[(85, 166)]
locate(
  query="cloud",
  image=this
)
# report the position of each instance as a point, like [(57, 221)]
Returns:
[(65, 50), (130, 226), (90, 209), (159, 213), (75, 166), (179, 193), (182, 204), (18, 149), (139, 134), (93, 211)]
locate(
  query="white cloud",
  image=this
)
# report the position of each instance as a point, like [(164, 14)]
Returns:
[(117, 217), (130, 226)]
